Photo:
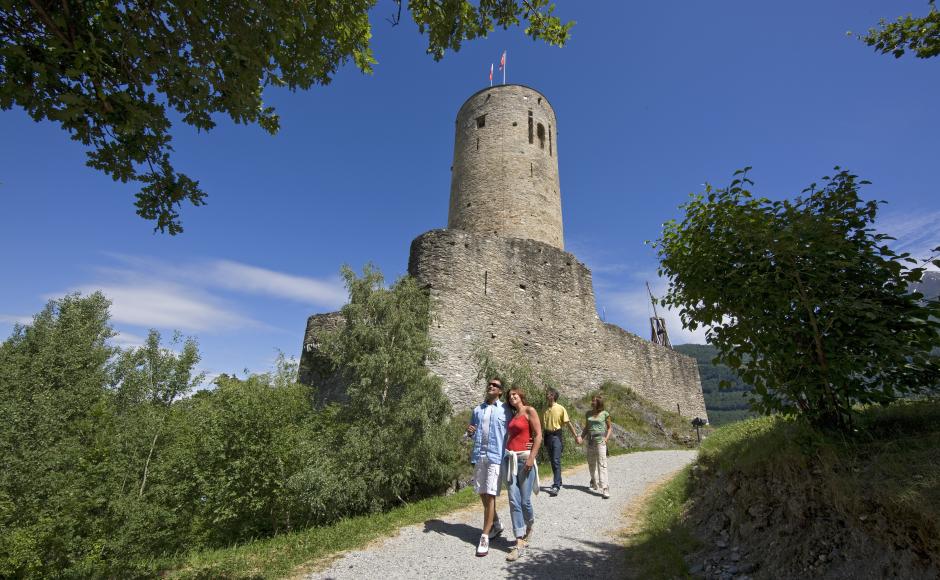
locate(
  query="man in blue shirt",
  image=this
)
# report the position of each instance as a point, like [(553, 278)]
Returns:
[(488, 428)]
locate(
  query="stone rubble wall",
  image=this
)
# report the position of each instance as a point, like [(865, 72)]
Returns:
[(496, 293)]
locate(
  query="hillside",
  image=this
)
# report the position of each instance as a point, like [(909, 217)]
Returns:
[(773, 499), (724, 405)]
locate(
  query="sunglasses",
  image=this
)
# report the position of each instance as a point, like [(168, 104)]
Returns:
[(495, 385)]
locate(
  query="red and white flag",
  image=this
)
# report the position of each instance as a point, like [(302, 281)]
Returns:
[(491, 74), (502, 66)]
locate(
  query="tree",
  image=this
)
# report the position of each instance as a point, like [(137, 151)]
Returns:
[(802, 298), (397, 420), (54, 436), (107, 72), (920, 35)]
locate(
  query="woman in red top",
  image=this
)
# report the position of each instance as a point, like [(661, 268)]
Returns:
[(520, 468)]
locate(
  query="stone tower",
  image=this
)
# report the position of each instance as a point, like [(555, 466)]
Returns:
[(505, 176), (501, 281)]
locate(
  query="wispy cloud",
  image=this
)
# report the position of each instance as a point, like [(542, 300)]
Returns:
[(238, 277), (198, 295), (15, 319), (251, 279), (146, 302), (127, 340), (916, 233)]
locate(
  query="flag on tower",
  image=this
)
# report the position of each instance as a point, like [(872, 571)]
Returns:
[(502, 66), (491, 74)]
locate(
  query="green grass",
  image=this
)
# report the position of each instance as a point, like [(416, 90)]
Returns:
[(286, 554), (657, 549)]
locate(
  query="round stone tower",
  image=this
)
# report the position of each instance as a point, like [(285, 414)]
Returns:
[(505, 175)]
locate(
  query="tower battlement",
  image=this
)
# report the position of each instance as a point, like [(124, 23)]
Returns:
[(505, 171)]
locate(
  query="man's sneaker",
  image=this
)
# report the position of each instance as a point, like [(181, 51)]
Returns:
[(606, 494), (496, 530), (517, 551), (553, 490), (593, 485), (483, 548)]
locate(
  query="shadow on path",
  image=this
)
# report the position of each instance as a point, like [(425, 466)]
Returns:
[(465, 533), (603, 560)]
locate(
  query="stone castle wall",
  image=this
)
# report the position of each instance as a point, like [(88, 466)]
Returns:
[(500, 279), (492, 292), (505, 172)]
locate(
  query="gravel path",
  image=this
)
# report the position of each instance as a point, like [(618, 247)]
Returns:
[(575, 533)]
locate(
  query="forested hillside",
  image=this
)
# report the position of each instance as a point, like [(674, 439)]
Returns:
[(723, 405)]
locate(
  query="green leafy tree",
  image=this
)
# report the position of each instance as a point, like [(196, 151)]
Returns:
[(54, 438), (148, 380), (801, 297), (919, 35), (395, 427), (108, 72)]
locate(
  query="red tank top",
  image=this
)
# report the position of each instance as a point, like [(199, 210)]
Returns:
[(519, 435)]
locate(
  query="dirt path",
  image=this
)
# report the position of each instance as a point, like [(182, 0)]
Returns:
[(575, 534)]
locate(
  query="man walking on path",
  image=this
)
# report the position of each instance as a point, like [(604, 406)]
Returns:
[(488, 429), (554, 419)]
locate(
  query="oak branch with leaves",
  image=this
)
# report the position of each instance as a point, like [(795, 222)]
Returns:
[(919, 35), (107, 72)]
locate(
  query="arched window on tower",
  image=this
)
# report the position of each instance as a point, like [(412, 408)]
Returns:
[(540, 131)]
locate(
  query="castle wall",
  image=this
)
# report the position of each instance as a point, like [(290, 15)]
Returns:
[(491, 291), (504, 178)]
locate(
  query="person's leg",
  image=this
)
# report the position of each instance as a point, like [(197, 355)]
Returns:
[(602, 466), (489, 511), (515, 508), (526, 483), (555, 454), (592, 462)]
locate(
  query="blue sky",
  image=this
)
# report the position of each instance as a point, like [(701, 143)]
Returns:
[(653, 99)]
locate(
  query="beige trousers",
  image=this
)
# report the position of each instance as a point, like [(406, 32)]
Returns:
[(597, 463)]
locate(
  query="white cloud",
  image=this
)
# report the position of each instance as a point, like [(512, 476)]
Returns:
[(127, 340), (15, 319), (150, 303), (238, 277), (251, 279)]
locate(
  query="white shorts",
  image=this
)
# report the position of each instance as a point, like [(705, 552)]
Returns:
[(486, 477)]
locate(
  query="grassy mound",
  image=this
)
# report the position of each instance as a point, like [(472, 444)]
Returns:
[(772, 498), (638, 424)]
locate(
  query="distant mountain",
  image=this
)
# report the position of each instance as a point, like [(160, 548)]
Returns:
[(723, 405), (929, 285)]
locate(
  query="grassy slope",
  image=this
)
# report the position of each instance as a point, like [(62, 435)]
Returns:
[(641, 426), (799, 503)]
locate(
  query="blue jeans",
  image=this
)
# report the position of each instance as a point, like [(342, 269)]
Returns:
[(554, 441), (520, 499)]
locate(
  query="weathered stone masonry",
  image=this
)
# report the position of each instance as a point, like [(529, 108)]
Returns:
[(499, 278)]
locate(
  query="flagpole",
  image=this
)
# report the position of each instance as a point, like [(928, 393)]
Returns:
[(504, 67)]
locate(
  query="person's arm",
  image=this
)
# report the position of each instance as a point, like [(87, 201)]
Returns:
[(610, 429), (535, 427), (585, 432), (574, 432), (472, 427)]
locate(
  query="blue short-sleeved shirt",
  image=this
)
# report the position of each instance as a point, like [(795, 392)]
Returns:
[(495, 417)]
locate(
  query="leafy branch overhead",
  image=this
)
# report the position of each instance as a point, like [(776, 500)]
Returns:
[(107, 73), (919, 35)]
